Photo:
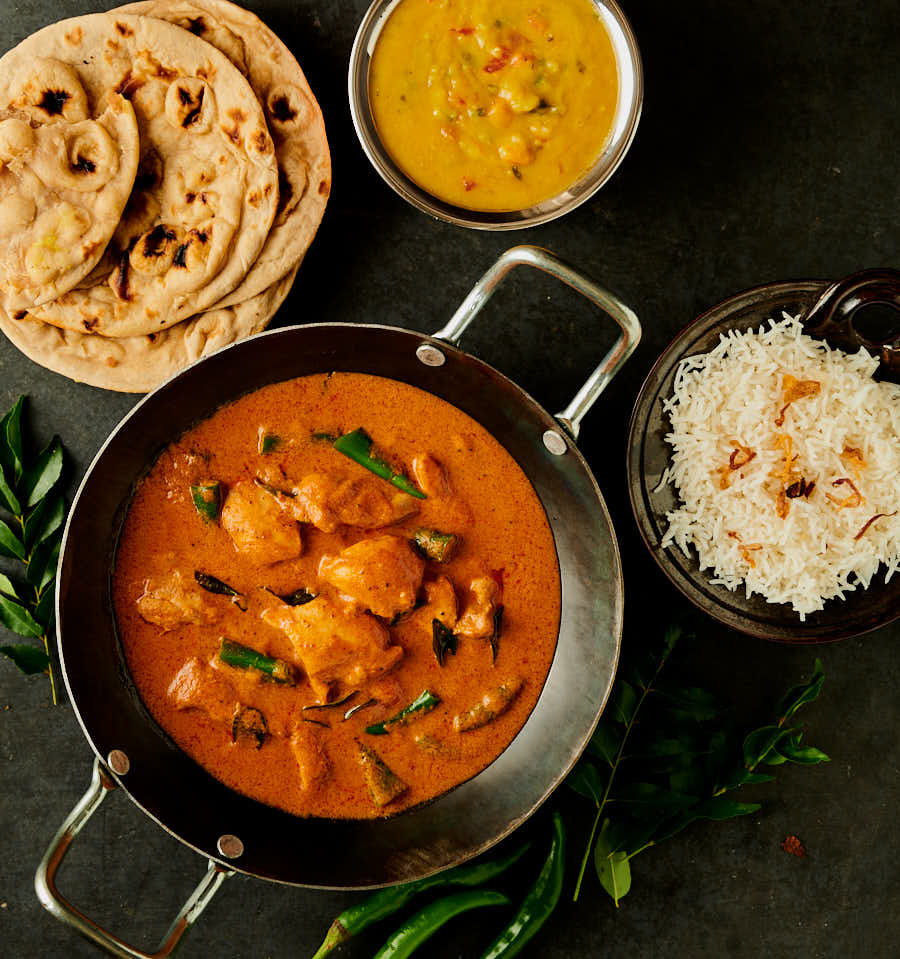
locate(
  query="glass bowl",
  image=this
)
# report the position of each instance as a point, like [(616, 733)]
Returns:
[(625, 122), (828, 312)]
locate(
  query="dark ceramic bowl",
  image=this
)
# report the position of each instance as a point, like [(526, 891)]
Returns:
[(828, 312)]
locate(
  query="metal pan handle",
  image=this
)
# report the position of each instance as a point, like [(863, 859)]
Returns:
[(102, 783), (831, 316), (543, 260)]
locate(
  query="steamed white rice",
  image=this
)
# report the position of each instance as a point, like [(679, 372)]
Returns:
[(733, 394)]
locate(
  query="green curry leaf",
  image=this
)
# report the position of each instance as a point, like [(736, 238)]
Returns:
[(18, 619), (10, 544), (613, 868), (41, 477), (29, 659)]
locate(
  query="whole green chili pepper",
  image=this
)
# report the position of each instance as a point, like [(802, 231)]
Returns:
[(243, 657), (358, 446), (424, 924), (385, 902), (538, 904), (423, 703)]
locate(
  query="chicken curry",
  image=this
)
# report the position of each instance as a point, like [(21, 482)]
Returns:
[(339, 595)]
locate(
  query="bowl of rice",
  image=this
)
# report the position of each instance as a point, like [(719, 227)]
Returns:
[(764, 461)]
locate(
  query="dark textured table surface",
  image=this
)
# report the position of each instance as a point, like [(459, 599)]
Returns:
[(768, 150)]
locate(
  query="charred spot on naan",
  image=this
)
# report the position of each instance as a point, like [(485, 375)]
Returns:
[(190, 105), (52, 89)]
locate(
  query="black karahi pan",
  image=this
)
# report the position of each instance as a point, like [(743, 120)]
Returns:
[(239, 834)]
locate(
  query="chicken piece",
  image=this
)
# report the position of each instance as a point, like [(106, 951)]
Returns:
[(384, 784), (477, 620), (172, 600), (382, 574), (198, 686), (258, 526), (494, 703), (431, 476), (312, 760), (329, 501), (335, 644)]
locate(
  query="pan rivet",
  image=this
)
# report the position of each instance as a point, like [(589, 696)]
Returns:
[(118, 762), (555, 442), (430, 355), (230, 846)]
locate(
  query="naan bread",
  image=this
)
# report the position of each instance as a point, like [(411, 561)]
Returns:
[(206, 189), (67, 166), (138, 364), (294, 118)]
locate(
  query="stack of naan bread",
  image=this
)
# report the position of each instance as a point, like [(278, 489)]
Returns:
[(163, 170)]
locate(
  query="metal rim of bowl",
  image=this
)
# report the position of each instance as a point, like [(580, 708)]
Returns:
[(625, 123), (753, 617)]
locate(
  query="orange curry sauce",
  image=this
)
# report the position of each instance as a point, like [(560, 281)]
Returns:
[(306, 768)]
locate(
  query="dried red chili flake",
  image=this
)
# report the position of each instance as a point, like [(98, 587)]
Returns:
[(851, 501), (792, 845), (871, 521), (468, 184), (463, 31), (794, 389), (800, 488), (497, 63)]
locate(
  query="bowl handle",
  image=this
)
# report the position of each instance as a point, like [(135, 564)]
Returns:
[(543, 260), (831, 316), (102, 783)]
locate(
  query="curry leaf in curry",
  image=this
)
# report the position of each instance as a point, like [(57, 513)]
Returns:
[(213, 585), (30, 535), (443, 641), (299, 597), (422, 704), (358, 447), (495, 632)]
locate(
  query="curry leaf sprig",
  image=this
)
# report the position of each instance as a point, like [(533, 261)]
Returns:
[(32, 511), (663, 757)]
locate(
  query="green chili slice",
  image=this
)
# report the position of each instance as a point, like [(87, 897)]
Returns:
[(425, 923), (269, 443), (249, 722), (385, 902), (436, 545), (539, 902), (358, 447), (243, 657), (213, 585), (422, 704), (207, 499)]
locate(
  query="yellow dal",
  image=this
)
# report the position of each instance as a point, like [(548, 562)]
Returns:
[(494, 106)]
